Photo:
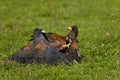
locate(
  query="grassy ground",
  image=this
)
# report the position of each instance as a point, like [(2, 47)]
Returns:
[(99, 36)]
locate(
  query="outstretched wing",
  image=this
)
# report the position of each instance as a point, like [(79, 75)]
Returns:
[(39, 51), (24, 55), (51, 56)]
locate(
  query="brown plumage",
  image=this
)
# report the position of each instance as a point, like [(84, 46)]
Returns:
[(68, 44), (73, 33), (60, 38), (49, 48), (72, 51), (39, 51)]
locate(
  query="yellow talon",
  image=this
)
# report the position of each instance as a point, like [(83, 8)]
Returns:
[(68, 45)]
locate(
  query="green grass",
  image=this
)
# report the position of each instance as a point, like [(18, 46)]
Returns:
[(99, 36)]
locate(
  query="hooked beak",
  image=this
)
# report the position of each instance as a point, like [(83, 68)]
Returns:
[(69, 28), (43, 31)]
